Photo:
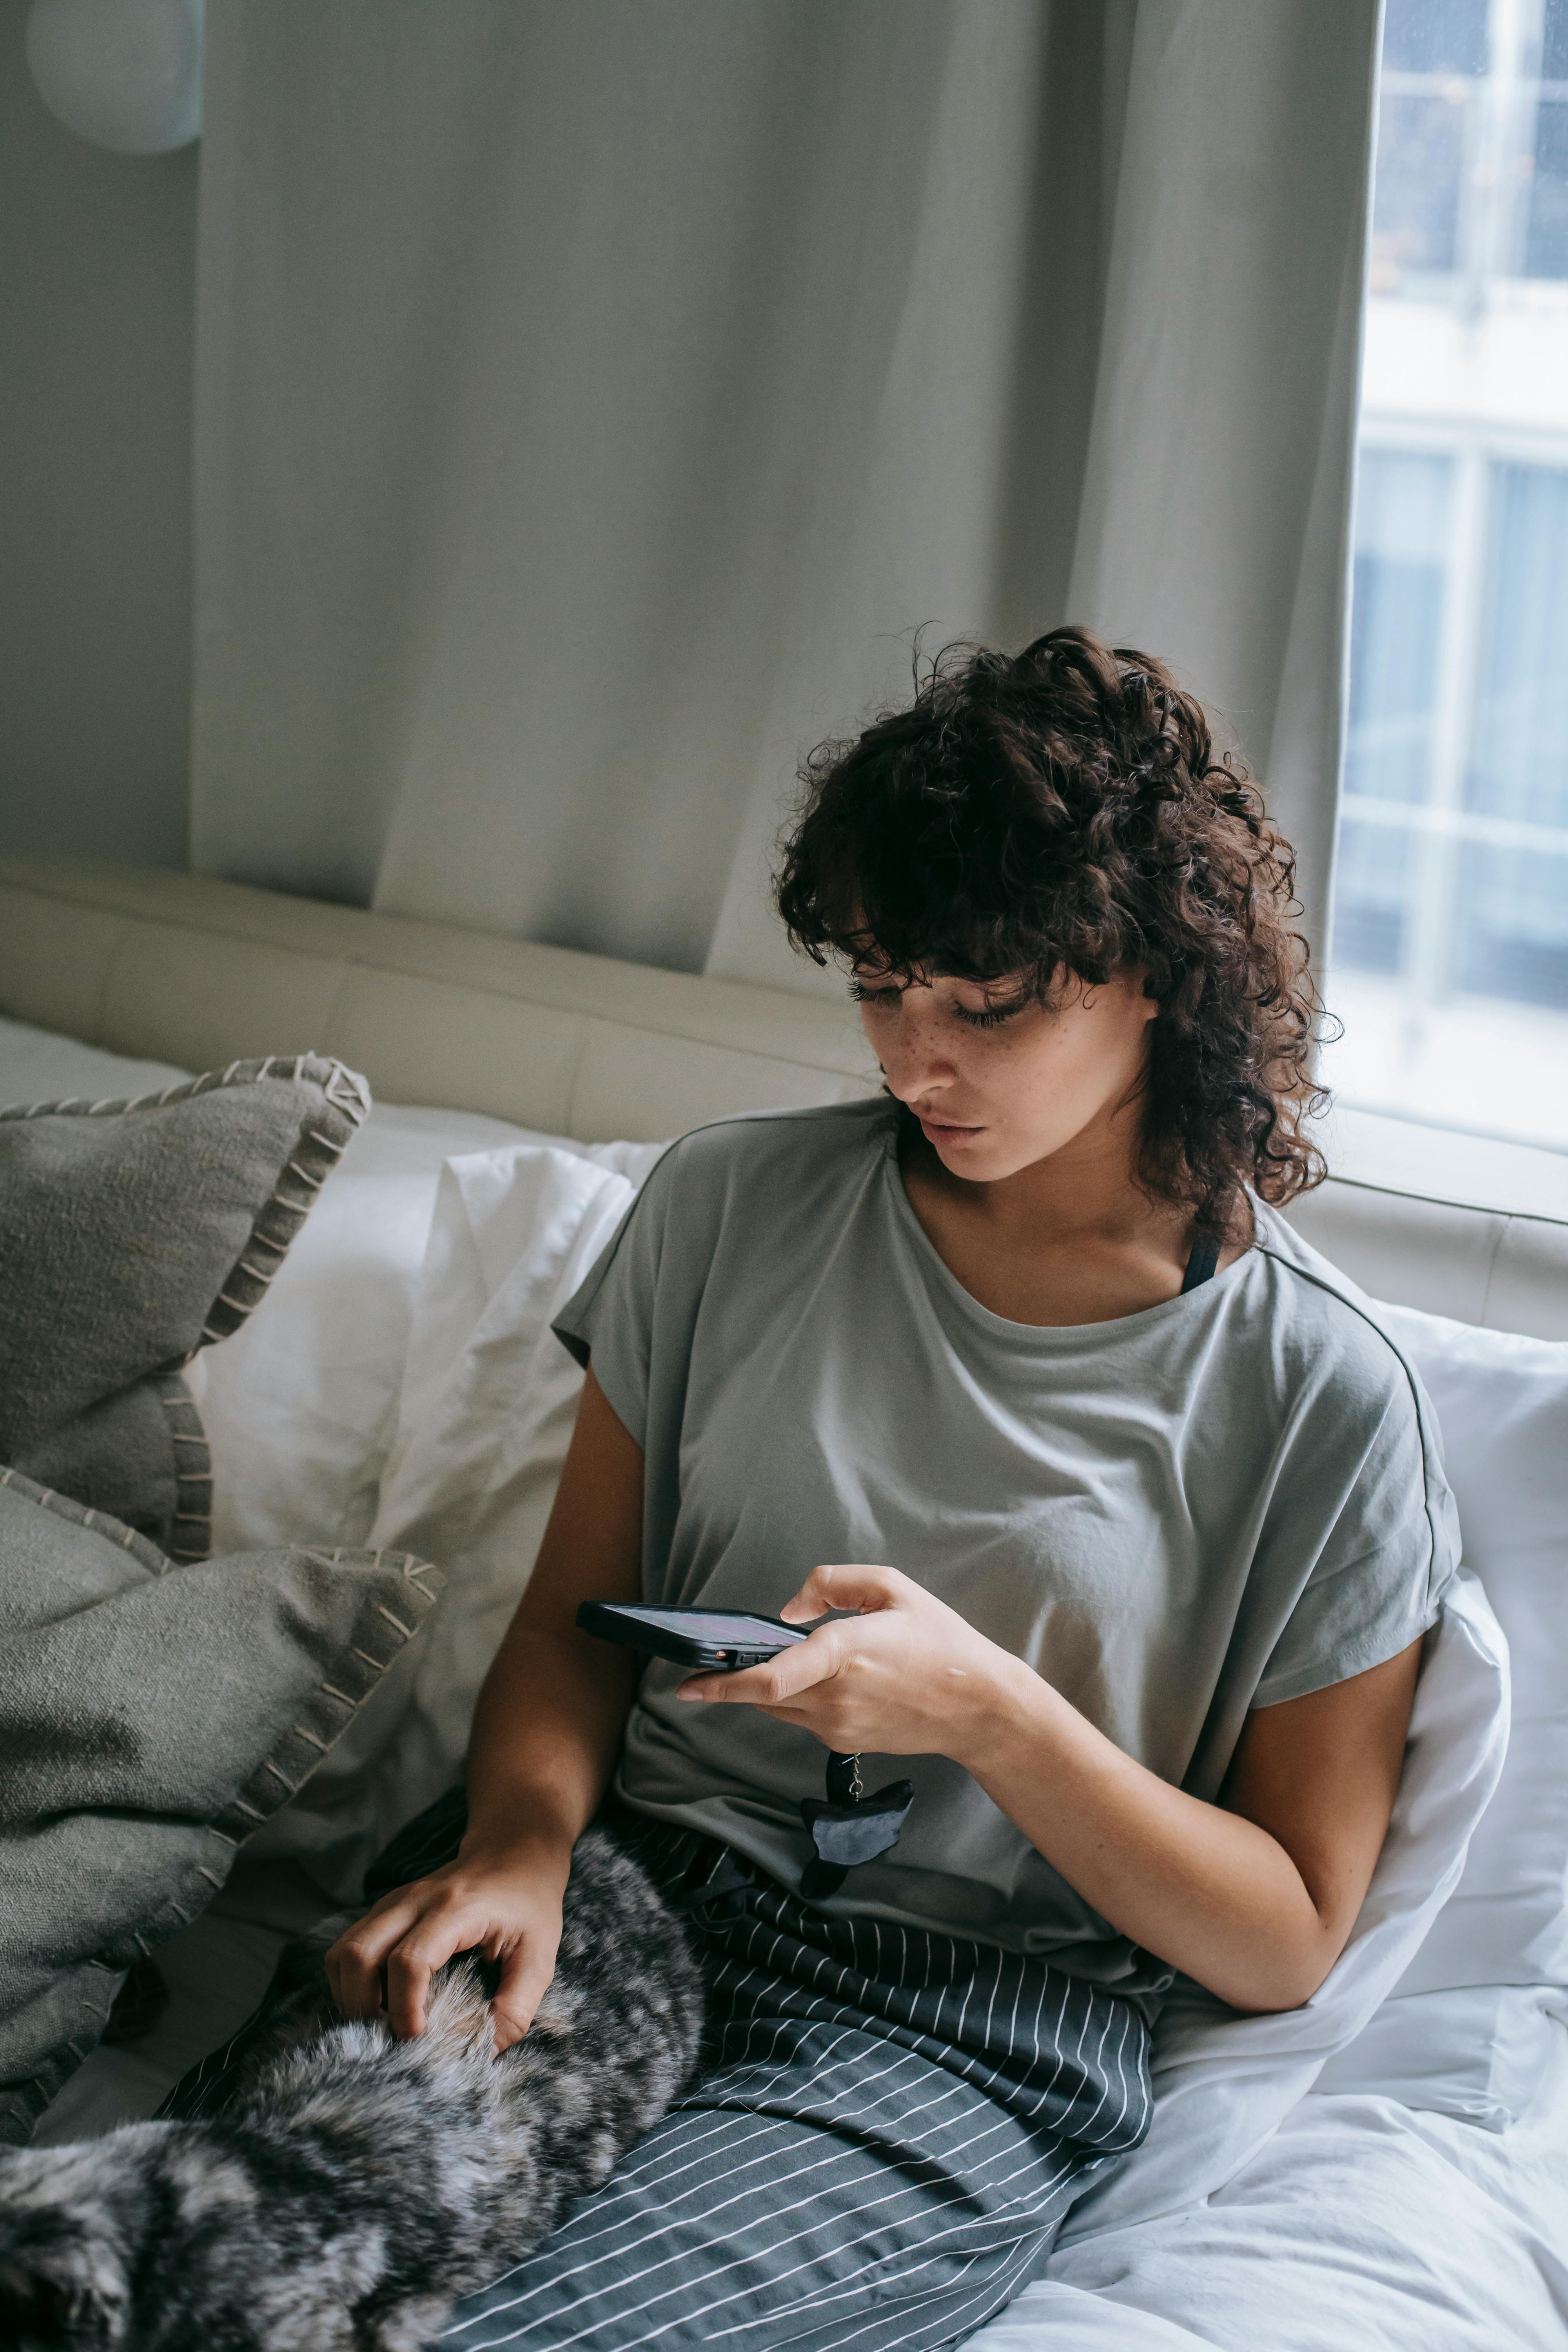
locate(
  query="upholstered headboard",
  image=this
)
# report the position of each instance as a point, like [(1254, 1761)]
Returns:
[(178, 968), (198, 973)]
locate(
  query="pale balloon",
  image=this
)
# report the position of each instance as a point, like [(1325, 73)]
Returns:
[(125, 74)]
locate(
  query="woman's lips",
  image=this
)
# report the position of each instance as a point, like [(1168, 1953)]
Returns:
[(937, 1130)]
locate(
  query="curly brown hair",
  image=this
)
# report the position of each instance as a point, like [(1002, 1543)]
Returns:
[(1062, 811)]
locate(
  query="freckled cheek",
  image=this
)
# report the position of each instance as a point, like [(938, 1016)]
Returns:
[(905, 1042), (1029, 1088), (996, 1060)]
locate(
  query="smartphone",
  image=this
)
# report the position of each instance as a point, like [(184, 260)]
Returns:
[(718, 1640)]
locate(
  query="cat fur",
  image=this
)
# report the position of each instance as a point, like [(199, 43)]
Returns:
[(352, 2185)]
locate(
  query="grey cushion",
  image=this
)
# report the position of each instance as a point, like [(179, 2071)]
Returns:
[(151, 1715), (132, 1234)]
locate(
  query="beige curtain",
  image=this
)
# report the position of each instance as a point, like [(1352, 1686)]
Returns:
[(595, 400)]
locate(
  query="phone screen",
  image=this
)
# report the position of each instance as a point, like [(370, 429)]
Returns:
[(723, 1629)]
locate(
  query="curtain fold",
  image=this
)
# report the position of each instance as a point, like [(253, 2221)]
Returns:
[(595, 402)]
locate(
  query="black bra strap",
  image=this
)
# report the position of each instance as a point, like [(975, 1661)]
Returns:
[(1201, 1263)]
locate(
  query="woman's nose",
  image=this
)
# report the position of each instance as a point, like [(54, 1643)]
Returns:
[(913, 1058)]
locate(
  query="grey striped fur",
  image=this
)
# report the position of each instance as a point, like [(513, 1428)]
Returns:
[(352, 2185)]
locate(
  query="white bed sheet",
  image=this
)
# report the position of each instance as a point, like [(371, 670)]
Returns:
[(1361, 2224)]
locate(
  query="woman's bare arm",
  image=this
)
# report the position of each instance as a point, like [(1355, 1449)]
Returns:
[(546, 1733), (1254, 1897), (550, 1717)]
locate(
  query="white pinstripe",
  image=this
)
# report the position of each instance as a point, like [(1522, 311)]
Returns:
[(770, 2130), (955, 2324), (689, 2313), (973, 2069), (988, 2129), (681, 2286), (1002, 2220), (1084, 2131), (968, 2315), (716, 2128), (1060, 2055), (823, 2297)]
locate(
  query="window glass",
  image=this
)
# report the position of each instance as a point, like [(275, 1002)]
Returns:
[(1372, 901), (1519, 743), (1554, 42), (1546, 245), (1511, 934), (1448, 957), (1429, 130), (1546, 236), (1396, 608), (1434, 36), (1420, 174)]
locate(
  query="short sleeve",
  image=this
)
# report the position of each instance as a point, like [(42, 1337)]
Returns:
[(1388, 1550), (610, 1318)]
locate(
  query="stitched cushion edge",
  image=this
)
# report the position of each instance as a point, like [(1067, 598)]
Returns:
[(382, 1629)]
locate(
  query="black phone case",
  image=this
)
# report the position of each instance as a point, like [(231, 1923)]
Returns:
[(600, 1617)]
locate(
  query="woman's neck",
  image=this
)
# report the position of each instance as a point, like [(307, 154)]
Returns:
[(1066, 1240)]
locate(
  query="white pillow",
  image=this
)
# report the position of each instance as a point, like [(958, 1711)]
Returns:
[(1471, 2024), (488, 1399), (1471, 2027), (1224, 2083), (301, 1404), (1477, 2053), (1360, 2226), (1503, 1403), (1451, 2041), (37, 1065)]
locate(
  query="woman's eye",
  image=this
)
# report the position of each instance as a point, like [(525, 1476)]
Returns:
[(981, 1016), (986, 1016)]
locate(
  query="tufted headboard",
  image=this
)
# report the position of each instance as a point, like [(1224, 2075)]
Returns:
[(174, 968)]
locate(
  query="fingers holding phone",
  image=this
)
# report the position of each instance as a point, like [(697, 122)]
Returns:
[(892, 1671), (711, 1641)]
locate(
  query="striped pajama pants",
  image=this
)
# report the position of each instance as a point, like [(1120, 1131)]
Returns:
[(890, 2128)]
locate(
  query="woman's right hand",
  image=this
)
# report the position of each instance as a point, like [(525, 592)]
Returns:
[(546, 1735), (505, 1903)]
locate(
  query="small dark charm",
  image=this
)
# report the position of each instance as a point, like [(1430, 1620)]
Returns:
[(139, 2004), (850, 1827)]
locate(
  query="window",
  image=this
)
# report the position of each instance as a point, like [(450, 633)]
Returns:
[(1449, 964)]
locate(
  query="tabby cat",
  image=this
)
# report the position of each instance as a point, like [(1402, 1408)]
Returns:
[(350, 2187)]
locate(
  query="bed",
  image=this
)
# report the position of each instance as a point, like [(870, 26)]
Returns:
[(1390, 2164)]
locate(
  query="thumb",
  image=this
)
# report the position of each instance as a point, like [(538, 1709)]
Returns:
[(523, 1985), (858, 1585)]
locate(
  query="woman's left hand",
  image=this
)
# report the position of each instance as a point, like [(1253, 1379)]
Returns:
[(906, 1677)]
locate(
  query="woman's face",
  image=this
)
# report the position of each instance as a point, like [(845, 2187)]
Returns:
[(998, 1080)]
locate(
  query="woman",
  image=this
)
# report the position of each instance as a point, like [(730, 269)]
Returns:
[(1135, 1508)]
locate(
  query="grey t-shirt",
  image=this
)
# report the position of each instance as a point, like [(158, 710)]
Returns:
[(1219, 1502)]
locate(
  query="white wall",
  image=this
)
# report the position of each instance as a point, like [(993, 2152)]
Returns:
[(97, 282)]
